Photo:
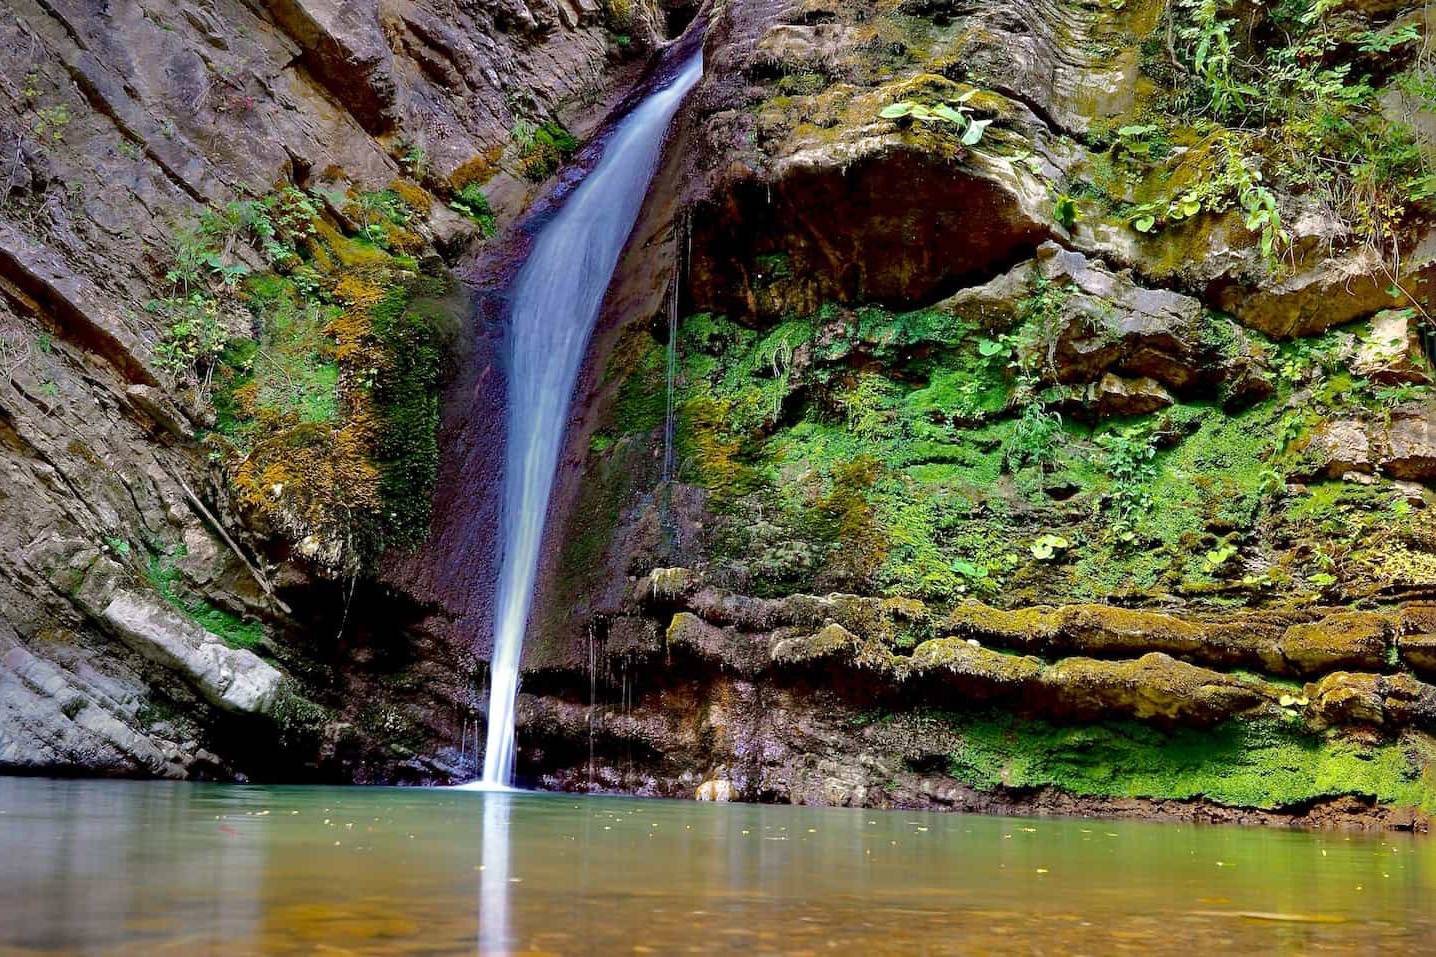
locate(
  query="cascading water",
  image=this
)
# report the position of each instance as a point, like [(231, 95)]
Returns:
[(555, 301)]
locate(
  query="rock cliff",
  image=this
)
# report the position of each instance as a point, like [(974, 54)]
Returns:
[(228, 232), (1050, 425)]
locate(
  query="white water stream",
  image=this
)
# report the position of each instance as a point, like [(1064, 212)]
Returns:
[(555, 302)]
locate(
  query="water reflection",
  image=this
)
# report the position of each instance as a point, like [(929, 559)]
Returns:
[(144, 869), (494, 875)]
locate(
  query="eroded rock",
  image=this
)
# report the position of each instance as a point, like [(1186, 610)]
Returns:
[(1114, 395)]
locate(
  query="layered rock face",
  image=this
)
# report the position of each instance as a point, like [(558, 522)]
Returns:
[(1050, 433), (212, 217)]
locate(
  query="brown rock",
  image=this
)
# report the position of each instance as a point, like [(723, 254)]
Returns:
[(1344, 698), (1325, 294), (1410, 451), (1418, 652), (1114, 395)]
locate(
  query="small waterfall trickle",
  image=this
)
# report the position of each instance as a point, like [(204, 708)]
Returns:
[(555, 302)]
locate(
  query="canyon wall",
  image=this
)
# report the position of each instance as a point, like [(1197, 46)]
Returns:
[(227, 230), (1052, 431)]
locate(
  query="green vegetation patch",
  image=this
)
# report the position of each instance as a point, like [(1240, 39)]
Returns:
[(1240, 764), (324, 367), (229, 628)]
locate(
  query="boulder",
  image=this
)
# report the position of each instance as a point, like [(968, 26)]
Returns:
[(1393, 353), (717, 789), (230, 678), (1339, 446)]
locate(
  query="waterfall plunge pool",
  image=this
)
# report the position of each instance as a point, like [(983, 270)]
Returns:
[(112, 867)]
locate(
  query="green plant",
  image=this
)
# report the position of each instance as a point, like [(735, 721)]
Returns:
[(1129, 461), (542, 148), (1048, 546), (1219, 556), (194, 337), (955, 114), (413, 159), (1065, 211), (472, 202), (50, 124)]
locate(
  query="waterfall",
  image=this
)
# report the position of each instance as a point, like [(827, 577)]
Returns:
[(555, 301)]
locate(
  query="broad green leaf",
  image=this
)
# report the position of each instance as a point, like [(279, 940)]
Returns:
[(974, 132)]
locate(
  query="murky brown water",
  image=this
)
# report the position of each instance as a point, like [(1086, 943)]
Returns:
[(157, 868)]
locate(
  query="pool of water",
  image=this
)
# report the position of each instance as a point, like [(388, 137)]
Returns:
[(109, 867)]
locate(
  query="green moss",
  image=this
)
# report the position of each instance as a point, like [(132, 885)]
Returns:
[(642, 402), (543, 149), (413, 329), (229, 628), (1241, 764)]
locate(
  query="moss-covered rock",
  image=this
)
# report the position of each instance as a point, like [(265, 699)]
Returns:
[(1155, 687), (1419, 653), (1344, 640), (1390, 701)]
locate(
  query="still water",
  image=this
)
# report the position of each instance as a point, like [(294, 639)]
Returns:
[(159, 868)]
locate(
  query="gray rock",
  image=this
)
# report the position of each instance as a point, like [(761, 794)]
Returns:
[(1339, 446), (230, 678)]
